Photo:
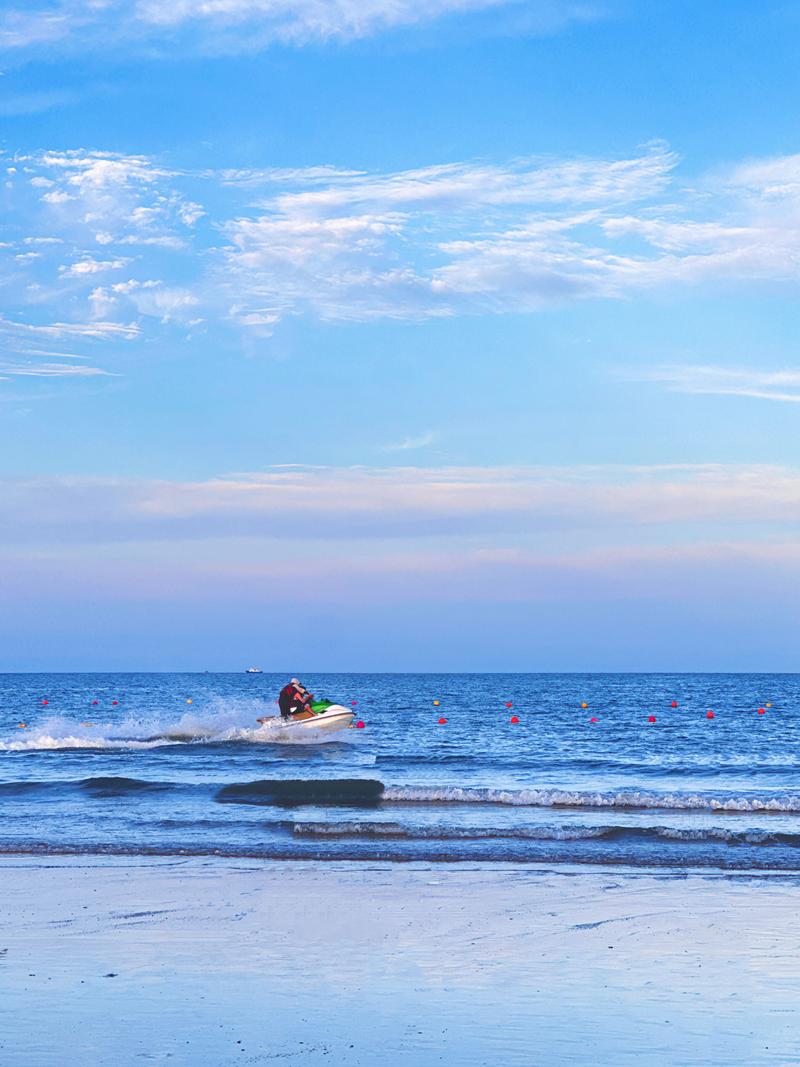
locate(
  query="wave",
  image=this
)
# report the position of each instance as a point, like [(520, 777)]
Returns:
[(704, 765), (93, 787), (368, 792), (563, 798), (701, 836), (401, 851), (297, 791)]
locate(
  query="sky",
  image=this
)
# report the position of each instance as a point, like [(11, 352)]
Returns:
[(389, 335)]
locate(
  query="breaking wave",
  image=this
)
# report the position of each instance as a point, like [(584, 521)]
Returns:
[(699, 836), (562, 798)]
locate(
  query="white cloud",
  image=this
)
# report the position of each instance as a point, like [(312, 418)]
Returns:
[(94, 330), (408, 444), (448, 239), (23, 29), (781, 385), (237, 25), (92, 266), (512, 511), (51, 370), (150, 297)]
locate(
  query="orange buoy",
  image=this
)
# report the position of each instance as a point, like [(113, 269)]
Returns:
[(22, 726), (436, 703), (584, 705), (768, 705)]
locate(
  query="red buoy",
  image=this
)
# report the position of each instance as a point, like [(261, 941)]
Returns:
[(94, 702), (651, 718), (593, 719), (509, 704), (674, 703), (359, 725), (352, 703), (115, 702), (514, 718), (442, 721), (45, 701), (762, 711), (709, 714)]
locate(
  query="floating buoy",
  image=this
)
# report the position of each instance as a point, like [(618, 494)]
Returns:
[(762, 711), (115, 702), (651, 718), (709, 714), (509, 704), (442, 721), (94, 702), (514, 718), (45, 701), (352, 703), (593, 719), (359, 725), (674, 703), (584, 705), (22, 726), (436, 703), (189, 700), (768, 705)]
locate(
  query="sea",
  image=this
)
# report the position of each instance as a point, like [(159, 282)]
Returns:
[(644, 770)]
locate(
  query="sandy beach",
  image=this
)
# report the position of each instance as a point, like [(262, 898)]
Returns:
[(209, 962)]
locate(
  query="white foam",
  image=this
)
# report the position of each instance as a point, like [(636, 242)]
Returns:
[(554, 798), (221, 721)]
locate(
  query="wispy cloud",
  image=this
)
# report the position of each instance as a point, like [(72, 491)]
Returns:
[(539, 503), (51, 370), (249, 25), (338, 244), (20, 104), (781, 385), (410, 443)]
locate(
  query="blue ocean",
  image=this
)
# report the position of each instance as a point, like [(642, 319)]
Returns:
[(659, 770)]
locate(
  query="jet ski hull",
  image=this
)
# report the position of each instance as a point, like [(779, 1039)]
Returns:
[(336, 717)]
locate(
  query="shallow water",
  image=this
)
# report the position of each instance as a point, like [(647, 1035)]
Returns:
[(155, 774)]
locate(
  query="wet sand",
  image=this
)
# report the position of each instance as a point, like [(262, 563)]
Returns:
[(210, 963)]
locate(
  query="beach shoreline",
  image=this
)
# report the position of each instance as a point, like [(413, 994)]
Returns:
[(213, 961)]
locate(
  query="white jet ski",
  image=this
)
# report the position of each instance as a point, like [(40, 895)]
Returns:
[(334, 717)]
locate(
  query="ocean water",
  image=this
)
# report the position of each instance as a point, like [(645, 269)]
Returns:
[(153, 774)]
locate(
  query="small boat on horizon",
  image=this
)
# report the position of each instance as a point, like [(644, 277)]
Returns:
[(253, 670)]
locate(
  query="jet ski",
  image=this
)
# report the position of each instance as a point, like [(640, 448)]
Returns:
[(322, 715)]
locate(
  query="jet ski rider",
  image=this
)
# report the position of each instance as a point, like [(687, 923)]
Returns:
[(293, 698)]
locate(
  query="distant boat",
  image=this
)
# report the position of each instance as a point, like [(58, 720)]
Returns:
[(253, 670)]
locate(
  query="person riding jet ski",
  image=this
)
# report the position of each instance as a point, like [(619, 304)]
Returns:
[(294, 698)]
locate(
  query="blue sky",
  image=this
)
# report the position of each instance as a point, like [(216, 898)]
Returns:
[(389, 335)]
